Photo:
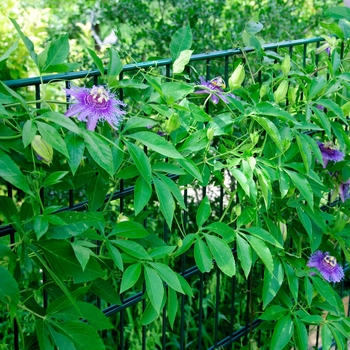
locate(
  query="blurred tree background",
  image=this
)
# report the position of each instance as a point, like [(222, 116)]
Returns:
[(141, 29)]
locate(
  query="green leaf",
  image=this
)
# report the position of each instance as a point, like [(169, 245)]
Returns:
[(324, 289), (53, 138), (61, 341), (10, 172), (174, 190), (97, 61), (242, 180), (202, 256), (8, 259), (141, 161), (132, 248), (43, 334), (99, 150), (181, 62), (272, 131), (338, 12), (264, 235), (156, 143), (222, 229), (27, 42), (244, 254), (7, 53), (300, 335), (82, 252), (41, 226), (172, 306), (203, 212), (303, 186), (332, 106), (272, 283), (304, 149), (191, 168), (293, 281), (62, 120), (222, 254), (186, 244), (142, 194), (154, 288), (168, 276), (181, 40), (138, 122), (265, 108), (177, 90), (114, 253), (282, 333), (263, 252), (115, 66), (28, 133), (273, 313), (129, 229), (96, 191), (58, 52), (316, 86), (75, 146), (130, 277), (54, 178), (81, 334), (309, 293), (9, 291), (326, 335), (64, 263), (8, 208), (166, 201), (324, 121), (105, 291)]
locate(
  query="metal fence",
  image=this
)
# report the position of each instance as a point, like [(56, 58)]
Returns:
[(203, 322)]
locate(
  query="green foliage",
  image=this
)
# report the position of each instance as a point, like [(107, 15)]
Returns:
[(253, 145)]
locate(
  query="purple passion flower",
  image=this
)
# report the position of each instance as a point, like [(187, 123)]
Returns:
[(95, 104), (344, 190), (330, 270), (330, 152), (214, 89)]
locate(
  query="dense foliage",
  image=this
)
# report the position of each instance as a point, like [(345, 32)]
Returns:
[(278, 131)]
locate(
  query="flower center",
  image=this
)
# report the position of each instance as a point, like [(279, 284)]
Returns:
[(99, 94), (330, 260), (218, 81)]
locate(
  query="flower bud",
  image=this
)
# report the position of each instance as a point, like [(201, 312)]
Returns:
[(42, 149), (283, 229), (121, 217), (254, 137), (179, 243), (237, 77), (285, 66), (210, 134), (281, 91), (292, 94), (264, 89), (172, 123), (238, 210)]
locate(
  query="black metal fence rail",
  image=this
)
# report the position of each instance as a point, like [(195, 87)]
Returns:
[(227, 328)]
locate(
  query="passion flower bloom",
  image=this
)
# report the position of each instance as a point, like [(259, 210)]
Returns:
[(330, 152), (344, 190), (327, 265), (214, 89), (93, 105)]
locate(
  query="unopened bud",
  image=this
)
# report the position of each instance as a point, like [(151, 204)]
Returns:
[(281, 92), (179, 243), (172, 123), (254, 137), (283, 229), (42, 149), (346, 109), (210, 134), (292, 94), (264, 89), (237, 77), (121, 217), (285, 66), (238, 210)]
